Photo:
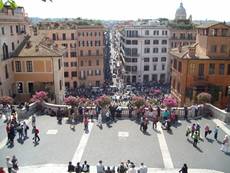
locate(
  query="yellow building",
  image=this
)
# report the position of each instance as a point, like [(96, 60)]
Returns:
[(203, 67), (38, 65)]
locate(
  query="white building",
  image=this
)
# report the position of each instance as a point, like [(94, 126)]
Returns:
[(145, 50), (13, 29)]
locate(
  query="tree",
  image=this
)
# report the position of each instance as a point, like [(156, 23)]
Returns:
[(11, 3), (204, 97)]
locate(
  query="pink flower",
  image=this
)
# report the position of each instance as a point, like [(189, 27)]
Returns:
[(39, 96), (170, 102)]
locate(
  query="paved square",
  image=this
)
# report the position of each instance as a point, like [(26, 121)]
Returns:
[(51, 132)]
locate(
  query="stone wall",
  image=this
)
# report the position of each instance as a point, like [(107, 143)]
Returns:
[(219, 113)]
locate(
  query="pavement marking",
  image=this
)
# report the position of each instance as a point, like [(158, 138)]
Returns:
[(82, 144), (52, 132), (164, 149), (4, 141), (123, 134), (221, 124)]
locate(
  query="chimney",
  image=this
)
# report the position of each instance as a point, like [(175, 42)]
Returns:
[(192, 51), (36, 48)]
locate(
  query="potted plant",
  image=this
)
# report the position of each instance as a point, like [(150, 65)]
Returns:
[(6, 100)]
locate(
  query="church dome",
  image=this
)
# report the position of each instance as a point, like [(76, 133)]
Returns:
[(180, 13)]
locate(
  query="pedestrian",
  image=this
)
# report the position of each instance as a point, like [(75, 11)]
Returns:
[(196, 110), (188, 131), (184, 169), (99, 120), (20, 131), (25, 129), (100, 167), (107, 115), (8, 132), (121, 168), (132, 169), (12, 134), (193, 129), (14, 161), (216, 130), (33, 120), (225, 144), (185, 112), (198, 127), (85, 167), (206, 131), (2, 170), (145, 125), (78, 168), (195, 138), (9, 164), (86, 122), (143, 168), (36, 137), (70, 167)]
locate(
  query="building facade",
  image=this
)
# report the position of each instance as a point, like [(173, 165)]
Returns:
[(145, 51), (38, 65), (13, 29), (84, 59), (203, 67)]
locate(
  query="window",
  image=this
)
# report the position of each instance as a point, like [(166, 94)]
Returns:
[(96, 43), (83, 43), (155, 41), (65, 45), (66, 74), (134, 42), (180, 67), (60, 84), (155, 32), (97, 72), (154, 77), (3, 31), (146, 32), (146, 68), (95, 34), (73, 64), (66, 64), (74, 74), (29, 66), (97, 52), (182, 35), (223, 49), (228, 72), (211, 69), (163, 49), (213, 48), (164, 42), (164, 32), (145, 78), (221, 69), (89, 52), (192, 68), (59, 64), (89, 63), (63, 36), (147, 42), (6, 72), (18, 66), (12, 65), (134, 59), (128, 42), (54, 36), (163, 59), (134, 68), (81, 53), (224, 32), (20, 87), (73, 54), (82, 63), (163, 67), (97, 62), (11, 30), (154, 67), (91, 43), (30, 87), (72, 36), (146, 59), (12, 46), (155, 59), (155, 50), (147, 50)]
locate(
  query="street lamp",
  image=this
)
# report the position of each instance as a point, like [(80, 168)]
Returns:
[(228, 104)]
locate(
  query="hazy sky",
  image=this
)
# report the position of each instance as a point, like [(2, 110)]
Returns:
[(127, 9)]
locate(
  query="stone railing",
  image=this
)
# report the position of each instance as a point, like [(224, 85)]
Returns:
[(23, 113), (219, 113)]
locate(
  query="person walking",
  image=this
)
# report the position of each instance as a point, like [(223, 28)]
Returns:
[(9, 164), (100, 167), (193, 129), (78, 168), (195, 138), (20, 131), (132, 169), (184, 169), (33, 120), (206, 131), (25, 129), (14, 161), (186, 113), (86, 122), (225, 145), (143, 168), (121, 168), (216, 130), (36, 138), (99, 120)]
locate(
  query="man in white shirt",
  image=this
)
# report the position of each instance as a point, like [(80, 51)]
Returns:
[(143, 169), (9, 164), (100, 167)]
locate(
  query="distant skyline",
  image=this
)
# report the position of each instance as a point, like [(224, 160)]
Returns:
[(126, 9)]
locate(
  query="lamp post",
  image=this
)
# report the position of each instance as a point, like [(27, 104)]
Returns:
[(228, 103)]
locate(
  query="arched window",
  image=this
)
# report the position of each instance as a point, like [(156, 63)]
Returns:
[(5, 51)]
